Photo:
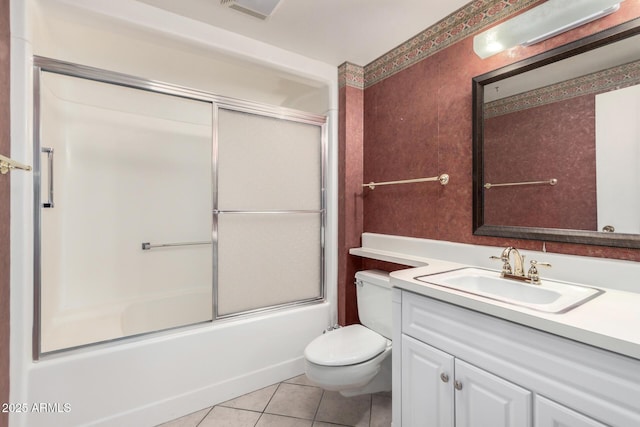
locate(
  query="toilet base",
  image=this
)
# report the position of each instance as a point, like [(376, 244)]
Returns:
[(372, 379), (381, 382)]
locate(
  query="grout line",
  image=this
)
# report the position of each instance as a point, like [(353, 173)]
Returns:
[(271, 398), (298, 418), (265, 406), (205, 416), (318, 407)]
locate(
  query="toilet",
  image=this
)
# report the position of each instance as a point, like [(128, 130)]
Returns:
[(356, 359)]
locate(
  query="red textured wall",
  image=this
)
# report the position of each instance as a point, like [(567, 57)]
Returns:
[(350, 204), (418, 122), (549, 141)]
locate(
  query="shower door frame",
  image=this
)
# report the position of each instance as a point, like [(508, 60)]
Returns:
[(50, 65), (283, 114)]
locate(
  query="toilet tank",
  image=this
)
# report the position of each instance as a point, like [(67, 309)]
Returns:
[(373, 291)]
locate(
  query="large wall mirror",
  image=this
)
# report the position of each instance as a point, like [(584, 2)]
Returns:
[(557, 144)]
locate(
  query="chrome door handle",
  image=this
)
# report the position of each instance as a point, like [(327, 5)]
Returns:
[(49, 151)]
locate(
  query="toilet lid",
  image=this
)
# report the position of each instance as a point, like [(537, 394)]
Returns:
[(345, 346)]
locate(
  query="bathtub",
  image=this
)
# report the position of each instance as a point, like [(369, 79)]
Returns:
[(155, 378)]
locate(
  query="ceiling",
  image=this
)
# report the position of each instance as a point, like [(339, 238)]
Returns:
[(331, 31)]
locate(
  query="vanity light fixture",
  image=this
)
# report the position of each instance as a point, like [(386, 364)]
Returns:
[(547, 20), (257, 8)]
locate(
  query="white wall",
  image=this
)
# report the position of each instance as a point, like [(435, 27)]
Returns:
[(618, 159), (138, 39), (147, 381)]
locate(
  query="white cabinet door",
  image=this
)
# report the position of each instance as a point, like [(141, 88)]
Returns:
[(552, 414), (483, 399), (427, 385)]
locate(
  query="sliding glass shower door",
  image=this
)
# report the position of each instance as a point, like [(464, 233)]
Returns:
[(269, 210), (125, 204), (157, 207)]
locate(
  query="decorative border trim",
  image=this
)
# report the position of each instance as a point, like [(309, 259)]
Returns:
[(467, 20), (599, 82), (455, 27), (351, 75)]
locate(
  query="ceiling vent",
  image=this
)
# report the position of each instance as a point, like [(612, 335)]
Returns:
[(257, 8)]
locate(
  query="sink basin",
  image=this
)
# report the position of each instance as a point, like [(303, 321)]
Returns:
[(549, 296)]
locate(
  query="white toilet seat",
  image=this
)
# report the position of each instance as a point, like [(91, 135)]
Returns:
[(371, 376), (345, 346)]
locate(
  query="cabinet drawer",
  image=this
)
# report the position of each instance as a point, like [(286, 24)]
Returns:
[(552, 414), (420, 318)]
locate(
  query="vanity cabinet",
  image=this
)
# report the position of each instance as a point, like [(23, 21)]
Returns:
[(459, 367), (441, 390)]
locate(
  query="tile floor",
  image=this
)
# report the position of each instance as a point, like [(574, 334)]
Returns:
[(293, 403)]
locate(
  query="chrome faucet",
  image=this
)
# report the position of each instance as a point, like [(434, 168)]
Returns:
[(517, 272), (518, 261)]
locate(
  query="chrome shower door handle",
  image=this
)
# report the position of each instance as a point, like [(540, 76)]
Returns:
[(49, 151)]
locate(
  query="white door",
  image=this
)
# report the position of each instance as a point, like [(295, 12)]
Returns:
[(551, 414), (483, 399), (618, 159), (427, 391)]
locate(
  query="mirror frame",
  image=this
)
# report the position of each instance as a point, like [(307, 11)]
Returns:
[(611, 35)]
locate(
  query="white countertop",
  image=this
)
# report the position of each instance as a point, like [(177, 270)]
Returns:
[(610, 321)]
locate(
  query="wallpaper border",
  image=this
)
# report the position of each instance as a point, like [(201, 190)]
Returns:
[(599, 82), (465, 21)]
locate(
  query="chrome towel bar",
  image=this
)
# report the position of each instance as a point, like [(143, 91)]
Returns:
[(444, 180), (552, 181), (281, 212), (146, 245)]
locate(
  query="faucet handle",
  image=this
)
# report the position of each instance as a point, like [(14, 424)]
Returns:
[(506, 267), (533, 271), (543, 264)]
